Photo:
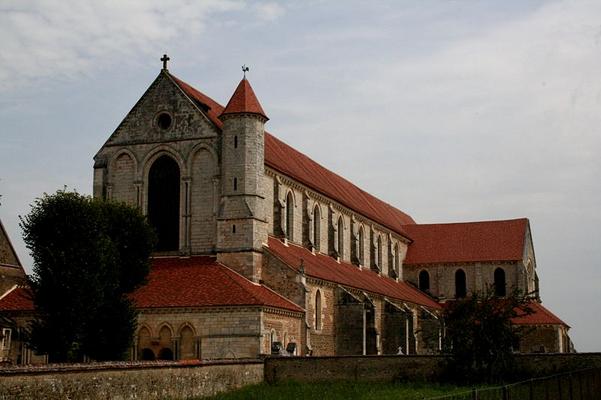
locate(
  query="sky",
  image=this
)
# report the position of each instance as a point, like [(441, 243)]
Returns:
[(449, 110)]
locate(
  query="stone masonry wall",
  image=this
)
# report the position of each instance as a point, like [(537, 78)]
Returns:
[(352, 368), (158, 380), (478, 276), (7, 256), (122, 164), (282, 328), (411, 368), (542, 339), (322, 340), (221, 333), (133, 381), (277, 187)]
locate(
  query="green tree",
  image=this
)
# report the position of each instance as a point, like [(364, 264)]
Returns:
[(88, 256), (480, 337)]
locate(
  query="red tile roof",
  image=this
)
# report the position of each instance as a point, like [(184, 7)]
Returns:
[(540, 316), (324, 267), (467, 242), (214, 109), (183, 282), (17, 299), (244, 101), (285, 159), (202, 282)]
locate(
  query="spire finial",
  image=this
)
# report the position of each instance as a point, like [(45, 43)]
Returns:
[(245, 69), (164, 59)]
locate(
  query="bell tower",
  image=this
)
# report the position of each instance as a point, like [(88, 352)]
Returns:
[(241, 223)]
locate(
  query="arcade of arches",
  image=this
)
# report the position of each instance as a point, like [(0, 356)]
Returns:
[(166, 345)]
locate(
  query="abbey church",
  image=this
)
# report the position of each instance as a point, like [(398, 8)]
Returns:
[(262, 250)]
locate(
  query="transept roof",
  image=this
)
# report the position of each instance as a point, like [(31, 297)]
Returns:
[(183, 282), (202, 282), (467, 242), (540, 316)]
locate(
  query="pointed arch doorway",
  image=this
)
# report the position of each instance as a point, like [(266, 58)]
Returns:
[(163, 202)]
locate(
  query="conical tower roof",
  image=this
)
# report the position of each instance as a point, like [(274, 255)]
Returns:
[(244, 101)]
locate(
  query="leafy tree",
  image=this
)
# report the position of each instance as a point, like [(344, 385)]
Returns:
[(88, 255), (480, 338)]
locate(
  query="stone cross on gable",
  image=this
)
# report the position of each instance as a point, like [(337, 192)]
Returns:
[(164, 59)]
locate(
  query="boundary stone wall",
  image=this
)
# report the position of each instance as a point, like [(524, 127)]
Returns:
[(148, 380), (182, 380), (408, 368), (353, 368)]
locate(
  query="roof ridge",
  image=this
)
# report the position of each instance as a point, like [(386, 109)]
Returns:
[(8, 291), (545, 309), (238, 283), (469, 222)]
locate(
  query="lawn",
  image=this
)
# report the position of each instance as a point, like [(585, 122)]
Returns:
[(342, 390)]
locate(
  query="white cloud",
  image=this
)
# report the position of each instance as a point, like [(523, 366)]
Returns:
[(61, 38), (269, 11)]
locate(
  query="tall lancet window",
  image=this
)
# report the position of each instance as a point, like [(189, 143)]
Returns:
[(361, 252), (340, 237), (163, 202), (316, 228), (460, 284), (500, 284), (378, 252), (289, 216), (318, 310), (424, 281), (396, 263)]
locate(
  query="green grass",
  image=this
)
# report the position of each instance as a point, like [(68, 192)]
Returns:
[(340, 390)]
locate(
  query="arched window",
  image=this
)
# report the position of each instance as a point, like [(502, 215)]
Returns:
[(500, 285), (318, 310), (378, 252), (187, 346), (424, 281), (163, 202), (165, 341), (289, 216), (361, 251), (460, 284), (316, 227), (340, 237), (273, 343), (144, 344), (397, 260)]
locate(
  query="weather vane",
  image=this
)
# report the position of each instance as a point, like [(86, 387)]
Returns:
[(245, 69)]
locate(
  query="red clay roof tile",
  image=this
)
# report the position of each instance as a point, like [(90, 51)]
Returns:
[(540, 316), (244, 101), (467, 242), (285, 159), (324, 267), (183, 282), (202, 282), (17, 299)]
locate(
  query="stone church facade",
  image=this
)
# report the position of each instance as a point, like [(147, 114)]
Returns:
[(262, 250)]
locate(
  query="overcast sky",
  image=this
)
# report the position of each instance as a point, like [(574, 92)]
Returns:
[(450, 110)]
